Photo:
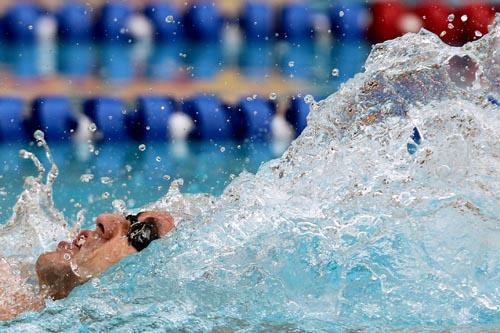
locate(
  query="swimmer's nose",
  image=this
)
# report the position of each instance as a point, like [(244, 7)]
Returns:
[(82, 237), (109, 225)]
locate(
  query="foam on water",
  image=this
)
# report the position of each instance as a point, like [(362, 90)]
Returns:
[(348, 229)]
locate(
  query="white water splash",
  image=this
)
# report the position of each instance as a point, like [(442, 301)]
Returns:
[(35, 225)]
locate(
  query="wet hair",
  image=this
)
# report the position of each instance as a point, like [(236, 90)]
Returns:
[(141, 234)]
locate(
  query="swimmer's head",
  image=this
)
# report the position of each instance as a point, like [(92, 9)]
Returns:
[(94, 251)]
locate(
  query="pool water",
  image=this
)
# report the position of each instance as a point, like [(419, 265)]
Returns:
[(92, 175)]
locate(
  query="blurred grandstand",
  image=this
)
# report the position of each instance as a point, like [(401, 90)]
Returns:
[(77, 56)]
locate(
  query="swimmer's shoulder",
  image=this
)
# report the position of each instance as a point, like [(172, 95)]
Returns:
[(17, 296)]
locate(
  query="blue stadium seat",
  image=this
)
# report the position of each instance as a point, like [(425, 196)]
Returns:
[(20, 22), (54, 116), (164, 61), (23, 59), (74, 22), (255, 59), (295, 23), (11, 119), (113, 21), (116, 62), (203, 22), (75, 59), (349, 20), (164, 29), (152, 117), (107, 113), (205, 60), (251, 119), (256, 21), (296, 114), (209, 118)]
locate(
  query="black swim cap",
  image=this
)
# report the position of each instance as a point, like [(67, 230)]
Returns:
[(140, 234)]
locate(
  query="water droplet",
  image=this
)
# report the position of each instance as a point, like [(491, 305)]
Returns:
[(464, 18), (38, 135), (106, 180), (442, 33), (222, 149), (119, 205), (341, 13), (128, 167), (291, 63), (24, 154), (92, 127), (105, 195), (148, 128), (451, 17), (450, 26), (30, 27), (86, 177), (254, 96), (169, 19), (309, 99), (166, 177), (142, 147), (335, 72), (478, 33), (67, 256), (249, 98), (273, 96), (158, 158), (162, 107)]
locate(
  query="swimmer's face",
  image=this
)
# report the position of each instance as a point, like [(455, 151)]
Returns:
[(93, 251)]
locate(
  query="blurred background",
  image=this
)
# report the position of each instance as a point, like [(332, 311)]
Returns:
[(133, 94)]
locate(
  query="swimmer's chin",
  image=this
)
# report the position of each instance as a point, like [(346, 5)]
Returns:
[(56, 278)]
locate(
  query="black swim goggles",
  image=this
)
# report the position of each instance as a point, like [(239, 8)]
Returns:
[(140, 234)]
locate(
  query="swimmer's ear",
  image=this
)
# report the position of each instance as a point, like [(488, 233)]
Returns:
[(165, 221)]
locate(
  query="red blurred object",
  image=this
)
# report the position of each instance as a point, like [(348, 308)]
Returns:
[(442, 20), (454, 25), (385, 20), (479, 17)]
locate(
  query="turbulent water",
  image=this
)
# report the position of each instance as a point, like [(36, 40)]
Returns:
[(383, 215)]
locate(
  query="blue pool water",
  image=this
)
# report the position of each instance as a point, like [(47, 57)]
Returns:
[(125, 172), (361, 225)]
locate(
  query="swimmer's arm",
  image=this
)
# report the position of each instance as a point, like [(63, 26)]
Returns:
[(15, 295)]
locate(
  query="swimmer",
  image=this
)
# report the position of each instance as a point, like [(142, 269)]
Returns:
[(72, 264)]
